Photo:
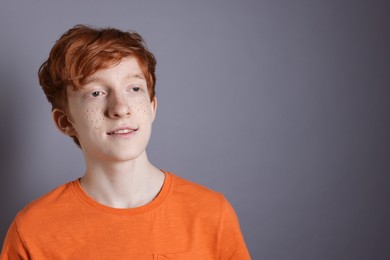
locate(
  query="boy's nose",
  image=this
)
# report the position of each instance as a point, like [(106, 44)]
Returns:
[(118, 107)]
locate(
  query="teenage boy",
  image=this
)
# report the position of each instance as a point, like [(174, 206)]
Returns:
[(100, 83)]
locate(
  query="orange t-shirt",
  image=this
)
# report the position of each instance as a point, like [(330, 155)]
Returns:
[(185, 221)]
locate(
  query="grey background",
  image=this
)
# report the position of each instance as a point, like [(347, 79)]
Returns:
[(281, 105)]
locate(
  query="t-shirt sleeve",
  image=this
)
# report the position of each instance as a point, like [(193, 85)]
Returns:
[(13, 247), (231, 242)]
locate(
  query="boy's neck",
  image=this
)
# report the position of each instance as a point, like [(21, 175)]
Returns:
[(122, 184)]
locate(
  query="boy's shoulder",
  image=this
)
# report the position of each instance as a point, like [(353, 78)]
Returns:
[(194, 193), (182, 184), (52, 202)]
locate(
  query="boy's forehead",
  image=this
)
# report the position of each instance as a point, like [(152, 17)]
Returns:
[(98, 78), (128, 68)]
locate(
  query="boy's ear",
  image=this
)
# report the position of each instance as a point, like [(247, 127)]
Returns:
[(153, 105), (63, 123)]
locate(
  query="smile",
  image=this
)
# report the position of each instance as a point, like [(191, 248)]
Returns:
[(122, 131)]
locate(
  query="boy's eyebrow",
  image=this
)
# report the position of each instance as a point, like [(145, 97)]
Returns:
[(136, 75)]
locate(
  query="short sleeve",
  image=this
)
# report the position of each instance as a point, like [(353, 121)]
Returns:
[(13, 247), (231, 241)]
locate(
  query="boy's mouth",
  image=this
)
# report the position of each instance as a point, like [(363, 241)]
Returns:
[(122, 131)]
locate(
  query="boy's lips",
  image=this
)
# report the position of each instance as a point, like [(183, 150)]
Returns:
[(123, 130)]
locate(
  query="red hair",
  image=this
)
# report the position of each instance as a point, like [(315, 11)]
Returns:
[(82, 51)]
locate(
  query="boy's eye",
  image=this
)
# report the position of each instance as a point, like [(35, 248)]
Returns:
[(136, 89), (96, 93)]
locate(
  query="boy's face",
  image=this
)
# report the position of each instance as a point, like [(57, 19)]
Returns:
[(111, 115)]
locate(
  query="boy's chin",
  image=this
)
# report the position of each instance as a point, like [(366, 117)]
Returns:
[(125, 157)]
